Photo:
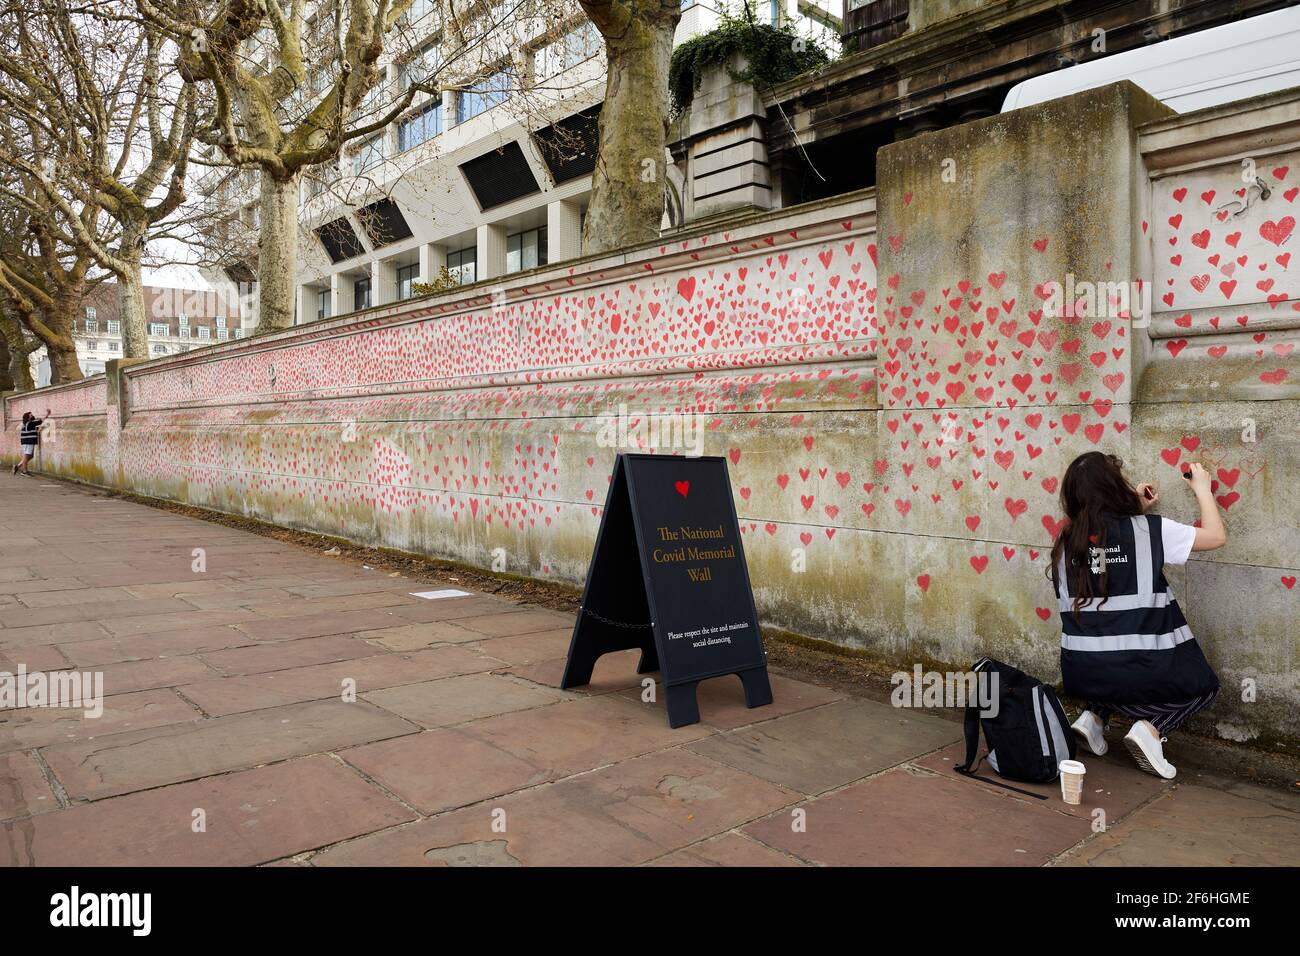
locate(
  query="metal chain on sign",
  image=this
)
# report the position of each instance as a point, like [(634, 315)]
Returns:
[(604, 620)]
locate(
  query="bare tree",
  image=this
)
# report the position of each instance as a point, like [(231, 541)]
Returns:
[(16, 347), (627, 190), (44, 274), (287, 109), (97, 123)]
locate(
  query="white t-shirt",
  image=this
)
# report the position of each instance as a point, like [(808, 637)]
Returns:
[(1177, 540)]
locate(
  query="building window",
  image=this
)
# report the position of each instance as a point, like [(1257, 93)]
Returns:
[(205, 332), (361, 294), (185, 331), (422, 66), (114, 346), (182, 319), (370, 155), (319, 178), (323, 304), (91, 314), (92, 345), (420, 128), (417, 11), (526, 250), (579, 44), (158, 328), (406, 276), (482, 96), (92, 325), (319, 79), (223, 334), (461, 265), (160, 350), (221, 321), (239, 333), (114, 327)]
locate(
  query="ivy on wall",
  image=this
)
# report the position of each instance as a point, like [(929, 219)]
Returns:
[(772, 54)]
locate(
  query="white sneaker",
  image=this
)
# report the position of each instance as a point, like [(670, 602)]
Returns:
[(1144, 743), (1091, 731)]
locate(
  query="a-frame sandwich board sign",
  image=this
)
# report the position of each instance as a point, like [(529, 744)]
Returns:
[(668, 576)]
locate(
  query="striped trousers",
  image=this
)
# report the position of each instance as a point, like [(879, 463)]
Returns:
[(1165, 717)]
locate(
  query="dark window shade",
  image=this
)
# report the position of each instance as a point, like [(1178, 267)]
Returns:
[(569, 147), (500, 176), (241, 272), (339, 240), (384, 223), (875, 22)]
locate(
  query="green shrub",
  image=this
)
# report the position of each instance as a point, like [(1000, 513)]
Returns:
[(773, 55)]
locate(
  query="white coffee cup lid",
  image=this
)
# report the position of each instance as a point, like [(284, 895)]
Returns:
[(1071, 766)]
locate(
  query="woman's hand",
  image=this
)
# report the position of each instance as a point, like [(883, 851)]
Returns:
[(1211, 534), (1199, 481), (1149, 494)]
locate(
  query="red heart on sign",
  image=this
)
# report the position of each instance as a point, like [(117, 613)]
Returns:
[(683, 488)]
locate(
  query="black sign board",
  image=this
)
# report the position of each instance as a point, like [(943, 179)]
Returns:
[(668, 576)]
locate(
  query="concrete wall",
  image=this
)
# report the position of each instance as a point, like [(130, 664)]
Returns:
[(894, 446)]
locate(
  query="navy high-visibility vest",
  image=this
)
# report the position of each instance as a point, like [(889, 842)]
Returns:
[(1135, 647)]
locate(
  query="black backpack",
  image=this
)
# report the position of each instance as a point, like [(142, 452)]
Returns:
[(1028, 737)]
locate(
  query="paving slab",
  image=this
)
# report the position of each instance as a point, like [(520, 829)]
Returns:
[(131, 676), (295, 606), (517, 621), (34, 658), (1192, 825), (456, 700), (143, 647), (54, 597), (282, 655), (829, 746), (30, 727), (528, 648), (912, 817), (175, 620), (730, 849), (90, 611), (23, 788), (445, 768), (577, 735), (249, 817), (410, 637), (230, 695), (311, 624), (42, 634), (121, 763), (627, 814), (450, 609)]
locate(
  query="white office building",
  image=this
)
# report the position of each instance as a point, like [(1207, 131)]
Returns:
[(492, 175)]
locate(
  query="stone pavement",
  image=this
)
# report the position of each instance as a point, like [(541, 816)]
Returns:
[(226, 738)]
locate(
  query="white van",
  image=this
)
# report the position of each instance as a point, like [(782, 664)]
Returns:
[(1231, 62)]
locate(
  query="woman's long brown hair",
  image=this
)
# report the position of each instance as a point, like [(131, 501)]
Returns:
[(1093, 487)]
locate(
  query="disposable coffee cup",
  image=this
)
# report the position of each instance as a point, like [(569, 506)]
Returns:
[(1072, 772)]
